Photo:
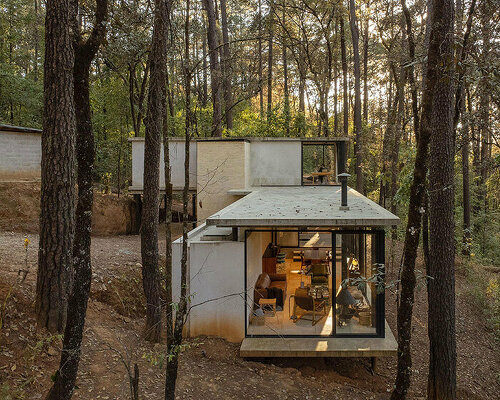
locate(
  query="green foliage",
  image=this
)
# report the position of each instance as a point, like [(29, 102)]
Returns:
[(159, 358)]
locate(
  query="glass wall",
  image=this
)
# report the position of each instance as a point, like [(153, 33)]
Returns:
[(315, 283), (319, 164), (358, 282)]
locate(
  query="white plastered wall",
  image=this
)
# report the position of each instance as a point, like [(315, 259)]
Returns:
[(275, 163), (256, 245), (216, 286), (176, 150), (20, 155)]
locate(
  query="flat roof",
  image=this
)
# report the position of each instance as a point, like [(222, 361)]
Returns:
[(304, 206), (20, 129), (317, 140)]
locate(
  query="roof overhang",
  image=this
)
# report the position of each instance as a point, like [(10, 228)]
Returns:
[(302, 206)]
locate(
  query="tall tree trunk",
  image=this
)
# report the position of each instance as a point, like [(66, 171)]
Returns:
[(286, 105), (85, 52), (270, 61), (400, 98), (358, 124), (366, 41), (388, 141), (343, 53), (261, 79), (484, 103), (413, 226), (181, 310), (335, 88), (57, 203), (441, 269), (169, 305), (228, 91), (411, 69), (152, 147), (205, 65), (466, 237), (215, 69), (459, 109), (36, 39)]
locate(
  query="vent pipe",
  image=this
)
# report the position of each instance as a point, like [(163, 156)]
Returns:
[(343, 199)]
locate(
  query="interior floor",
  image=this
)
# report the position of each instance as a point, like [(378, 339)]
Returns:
[(281, 324)]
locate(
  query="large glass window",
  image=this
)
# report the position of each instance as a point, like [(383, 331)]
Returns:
[(327, 284), (319, 164), (358, 280)]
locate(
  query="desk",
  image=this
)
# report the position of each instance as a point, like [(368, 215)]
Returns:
[(321, 175)]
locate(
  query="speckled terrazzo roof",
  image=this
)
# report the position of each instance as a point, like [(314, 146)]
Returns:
[(302, 206)]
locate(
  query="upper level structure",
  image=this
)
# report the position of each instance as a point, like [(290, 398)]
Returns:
[(223, 170)]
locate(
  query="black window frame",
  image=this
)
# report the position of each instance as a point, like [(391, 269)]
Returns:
[(379, 234)]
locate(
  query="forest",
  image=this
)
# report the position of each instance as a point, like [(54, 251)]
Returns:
[(414, 84)]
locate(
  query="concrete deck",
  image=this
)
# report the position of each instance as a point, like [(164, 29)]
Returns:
[(311, 206), (320, 347)]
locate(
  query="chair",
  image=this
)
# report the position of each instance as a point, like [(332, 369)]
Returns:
[(319, 274), (303, 300), (270, 286)]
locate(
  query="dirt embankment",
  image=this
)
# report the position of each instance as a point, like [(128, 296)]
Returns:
[(20, 210)]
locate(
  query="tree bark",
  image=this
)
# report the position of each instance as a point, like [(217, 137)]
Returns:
[(484, 104), (270, 61), (366, 42), (358, 124), (441, 268), (205, 65), (228, 91), (36, 39), (152, 147), (215, 69), (85, 52), (286, 105), (335, 88), (344, 78), (459, 108), (174, 337), (388, 140), (411, 69), (57, 203), (413, 227), (259, 49)]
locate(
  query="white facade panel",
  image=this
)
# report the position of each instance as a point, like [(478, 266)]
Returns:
[(275, 163), (176, 150), (20, 154), (217, 289)]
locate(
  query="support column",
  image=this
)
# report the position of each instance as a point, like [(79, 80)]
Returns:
[(136, 229)]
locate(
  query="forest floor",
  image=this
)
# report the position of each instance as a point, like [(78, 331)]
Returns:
[(210, 368)]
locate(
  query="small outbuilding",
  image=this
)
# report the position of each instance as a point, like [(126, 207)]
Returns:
[(20, 152)]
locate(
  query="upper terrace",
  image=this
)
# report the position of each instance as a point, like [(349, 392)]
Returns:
[(224, 169)]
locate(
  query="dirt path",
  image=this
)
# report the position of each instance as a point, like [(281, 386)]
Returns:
[(210, 368)]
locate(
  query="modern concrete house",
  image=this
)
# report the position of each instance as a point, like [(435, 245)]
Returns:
[(284, 259)]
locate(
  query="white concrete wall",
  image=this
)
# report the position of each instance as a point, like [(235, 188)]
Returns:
[(20, 155), (176, 149), (217, 270), (275, 163), (256, 245)]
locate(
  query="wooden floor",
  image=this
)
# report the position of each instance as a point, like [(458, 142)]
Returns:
[(320, 347), (281, 324)]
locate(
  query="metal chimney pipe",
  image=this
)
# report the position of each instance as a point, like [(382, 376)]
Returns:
[(343, 199)]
